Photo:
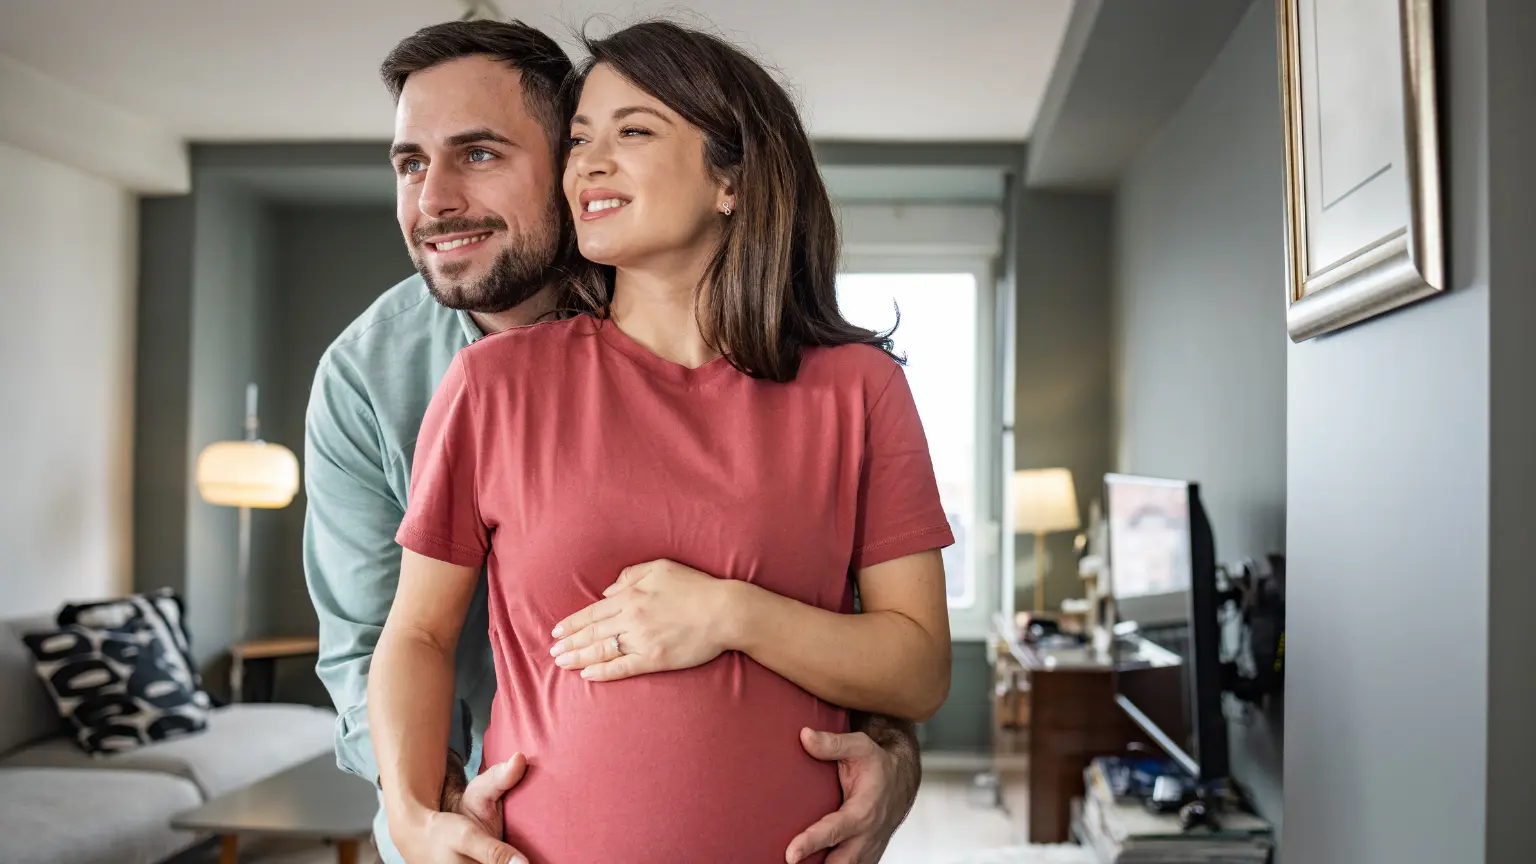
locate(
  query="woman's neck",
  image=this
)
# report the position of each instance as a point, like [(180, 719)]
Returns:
[(657, 307)]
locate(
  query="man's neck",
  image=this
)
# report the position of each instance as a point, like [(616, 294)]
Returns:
[(527, 312)]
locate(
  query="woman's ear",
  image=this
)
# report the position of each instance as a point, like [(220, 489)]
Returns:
[(726, 196)]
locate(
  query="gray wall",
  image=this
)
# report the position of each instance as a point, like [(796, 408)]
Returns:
[(1511, 32), (1200, 357), (1407, 460), (162, 375), (223, 303), (964, 723), (231, 285), (1061, 264), (331, 263), (1409, 457), (256, 295)]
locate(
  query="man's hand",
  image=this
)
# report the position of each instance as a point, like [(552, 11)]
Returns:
[(879, 785), (481, 800), (474, 830)]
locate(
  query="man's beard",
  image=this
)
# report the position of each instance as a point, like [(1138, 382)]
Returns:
[(524, 268)]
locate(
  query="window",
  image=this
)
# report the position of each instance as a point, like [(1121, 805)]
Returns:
[(947, 340)]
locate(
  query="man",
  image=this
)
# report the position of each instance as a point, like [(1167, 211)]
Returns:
[(477, 140)]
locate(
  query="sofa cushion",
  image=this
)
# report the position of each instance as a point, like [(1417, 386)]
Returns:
[(242, 744), (161, 612), (121, 688), (29, 713), (85, 816)]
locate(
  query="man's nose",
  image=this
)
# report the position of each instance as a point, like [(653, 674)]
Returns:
[(442, 193)]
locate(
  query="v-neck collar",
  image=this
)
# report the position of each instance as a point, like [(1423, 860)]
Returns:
[(656, 365)]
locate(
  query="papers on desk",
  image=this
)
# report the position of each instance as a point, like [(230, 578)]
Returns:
[(1127, 833)]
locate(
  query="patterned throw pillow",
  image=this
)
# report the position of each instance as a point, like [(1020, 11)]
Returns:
[(119, 689), (159, 612)]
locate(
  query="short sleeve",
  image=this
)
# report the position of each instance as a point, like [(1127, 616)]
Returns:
[(442, 514), (899, 512)]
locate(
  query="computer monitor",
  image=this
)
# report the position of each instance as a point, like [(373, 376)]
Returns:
[(1162, 566)]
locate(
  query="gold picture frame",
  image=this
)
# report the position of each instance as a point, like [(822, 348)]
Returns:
[(1363, 198)]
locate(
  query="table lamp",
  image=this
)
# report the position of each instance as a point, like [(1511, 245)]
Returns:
[(246, 474), (1044, 502)]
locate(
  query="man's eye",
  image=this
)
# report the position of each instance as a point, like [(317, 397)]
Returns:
[(411, 166), (478, 155)]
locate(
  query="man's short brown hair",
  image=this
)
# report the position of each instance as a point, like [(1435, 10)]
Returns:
[(543, 64)]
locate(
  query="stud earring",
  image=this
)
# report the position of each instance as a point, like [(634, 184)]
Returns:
[(725, 207)]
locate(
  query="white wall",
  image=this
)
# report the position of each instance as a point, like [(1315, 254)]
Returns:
[(68, 241)]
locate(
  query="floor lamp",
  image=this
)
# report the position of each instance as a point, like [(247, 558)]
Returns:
[(246, 474), (1044, 502)]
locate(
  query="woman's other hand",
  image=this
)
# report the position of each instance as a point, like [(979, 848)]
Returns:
[(657, 617)]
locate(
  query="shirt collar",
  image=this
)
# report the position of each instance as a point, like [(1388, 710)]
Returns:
[(472, 331)]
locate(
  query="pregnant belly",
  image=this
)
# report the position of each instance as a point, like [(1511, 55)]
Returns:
[(700, 765)]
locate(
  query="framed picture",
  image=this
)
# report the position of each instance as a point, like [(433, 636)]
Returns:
[(1364, 226)]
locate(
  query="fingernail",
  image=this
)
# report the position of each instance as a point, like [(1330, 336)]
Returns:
[(558, 649), (587, 673), (564, 660), (558, 631)]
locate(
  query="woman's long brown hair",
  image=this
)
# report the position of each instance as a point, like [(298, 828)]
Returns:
[(773, 281)]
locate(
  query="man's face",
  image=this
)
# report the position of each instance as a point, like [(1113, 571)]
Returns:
[(475, 185)]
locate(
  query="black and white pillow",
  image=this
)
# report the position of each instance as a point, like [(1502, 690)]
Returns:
[(161, 613), (116, 687)]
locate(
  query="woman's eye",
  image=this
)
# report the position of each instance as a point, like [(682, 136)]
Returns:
[(632, 131), (575, 140)]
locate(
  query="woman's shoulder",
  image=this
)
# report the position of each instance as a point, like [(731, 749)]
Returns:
[(864, 365), (529, 345)]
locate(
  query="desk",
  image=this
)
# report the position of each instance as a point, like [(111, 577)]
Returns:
[(1058, 707), (265, 653)]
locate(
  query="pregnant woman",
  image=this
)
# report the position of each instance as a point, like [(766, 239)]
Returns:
[(676, 491)]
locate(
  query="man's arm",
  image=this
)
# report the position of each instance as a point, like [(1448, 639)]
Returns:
[(897, 737), (352, 563)]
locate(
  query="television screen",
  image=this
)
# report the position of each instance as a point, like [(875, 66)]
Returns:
[(1149, 538), (1162, 579)]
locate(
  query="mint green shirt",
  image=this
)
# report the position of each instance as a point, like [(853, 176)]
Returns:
[(370, 392)]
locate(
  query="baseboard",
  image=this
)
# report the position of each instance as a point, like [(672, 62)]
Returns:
[(963, 761)]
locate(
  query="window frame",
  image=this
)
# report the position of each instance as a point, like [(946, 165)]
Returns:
[(973, 623)]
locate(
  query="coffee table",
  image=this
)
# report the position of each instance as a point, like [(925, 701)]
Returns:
[(312, 801)]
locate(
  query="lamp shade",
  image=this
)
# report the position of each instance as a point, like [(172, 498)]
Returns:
[(247, 474), (1044, 501)]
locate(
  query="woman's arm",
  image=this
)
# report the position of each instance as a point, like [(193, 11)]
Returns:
[(894, 658), (891, 659), (410, 688)]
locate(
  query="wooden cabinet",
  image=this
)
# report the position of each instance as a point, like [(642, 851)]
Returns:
[(1058, 708)]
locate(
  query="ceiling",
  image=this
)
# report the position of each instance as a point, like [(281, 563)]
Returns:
[(283, 70)]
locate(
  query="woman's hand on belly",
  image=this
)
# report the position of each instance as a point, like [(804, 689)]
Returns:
[(659, 616)]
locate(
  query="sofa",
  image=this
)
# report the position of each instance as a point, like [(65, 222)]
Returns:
[(58, 803)]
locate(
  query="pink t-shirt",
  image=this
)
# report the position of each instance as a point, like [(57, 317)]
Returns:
[(563, 452)]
